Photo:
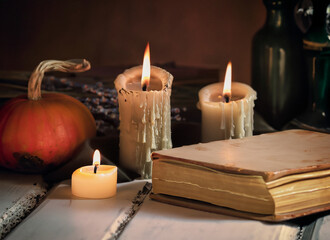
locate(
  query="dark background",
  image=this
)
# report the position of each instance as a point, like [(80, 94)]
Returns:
[(111, 33)]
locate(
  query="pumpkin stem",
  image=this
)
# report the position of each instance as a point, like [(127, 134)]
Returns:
[(73, 65)]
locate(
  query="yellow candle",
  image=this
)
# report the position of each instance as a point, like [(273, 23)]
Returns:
[(95, 181)]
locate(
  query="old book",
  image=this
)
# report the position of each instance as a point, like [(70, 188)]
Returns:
[(274, 177)]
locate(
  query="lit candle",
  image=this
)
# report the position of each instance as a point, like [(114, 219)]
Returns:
[(145, 114), (227, 114), (95, 181)]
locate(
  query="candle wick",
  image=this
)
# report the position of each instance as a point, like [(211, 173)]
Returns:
[(95, 168), (227, 98), (144, 87)]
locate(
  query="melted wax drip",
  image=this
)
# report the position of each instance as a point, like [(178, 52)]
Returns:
[(151, 116), (242, 126)]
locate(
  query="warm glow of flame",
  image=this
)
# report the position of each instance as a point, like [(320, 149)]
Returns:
[(96, 157), (145, 79), (227, 85)]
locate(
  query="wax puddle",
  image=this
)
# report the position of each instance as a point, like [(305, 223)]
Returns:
[(118, 226)]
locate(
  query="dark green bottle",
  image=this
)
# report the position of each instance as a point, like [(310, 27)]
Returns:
[(317, 117), (317, 57), (277, 65)]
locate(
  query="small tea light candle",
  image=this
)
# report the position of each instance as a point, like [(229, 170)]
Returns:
[(227, 114), (95, 181), (145, 115)]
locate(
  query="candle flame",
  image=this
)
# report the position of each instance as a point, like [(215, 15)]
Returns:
[(96, 157), (226, 93), (145, 79)]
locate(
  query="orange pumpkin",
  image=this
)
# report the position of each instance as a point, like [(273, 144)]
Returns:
[(38, 133)]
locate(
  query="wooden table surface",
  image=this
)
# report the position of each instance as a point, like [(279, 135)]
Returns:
[(131, 214)]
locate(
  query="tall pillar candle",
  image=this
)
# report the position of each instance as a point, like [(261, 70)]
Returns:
[(145, 117)]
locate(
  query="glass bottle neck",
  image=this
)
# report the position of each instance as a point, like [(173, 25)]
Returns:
[(276, 18)]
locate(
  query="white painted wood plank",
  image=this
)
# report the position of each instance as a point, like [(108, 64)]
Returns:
[(13, 186), (322, 229), (156, 220), (19, 195), (64, 216), (119, 225)]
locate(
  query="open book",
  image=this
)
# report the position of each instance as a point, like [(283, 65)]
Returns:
[(274, 177)]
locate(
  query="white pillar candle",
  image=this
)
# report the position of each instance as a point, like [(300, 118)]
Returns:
[(226, 120), (145, 117)]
